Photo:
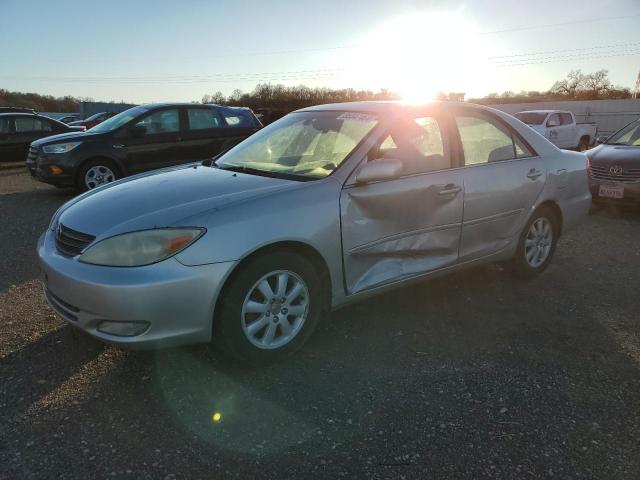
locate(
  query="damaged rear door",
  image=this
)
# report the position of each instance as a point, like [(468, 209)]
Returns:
[(409, 225)]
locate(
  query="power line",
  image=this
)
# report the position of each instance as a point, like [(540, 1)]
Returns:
[(564, 59), (615, 45), (562, 24), (186, 78), (358, 46)]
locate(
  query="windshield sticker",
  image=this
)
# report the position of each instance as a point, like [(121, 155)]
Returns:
[(360, 117)]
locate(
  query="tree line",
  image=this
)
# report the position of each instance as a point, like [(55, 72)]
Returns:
[(266, 95), (40, 103), (576, 86), (280, 99)]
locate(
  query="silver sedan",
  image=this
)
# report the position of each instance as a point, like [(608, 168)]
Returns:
[(326, 206)]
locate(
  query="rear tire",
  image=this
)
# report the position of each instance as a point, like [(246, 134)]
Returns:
[(96, 173), (256, 330), (537, 244)]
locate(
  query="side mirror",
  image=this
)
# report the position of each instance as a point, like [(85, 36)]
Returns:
[(379, 170), (138, 130), (601, 139), (552, 123)]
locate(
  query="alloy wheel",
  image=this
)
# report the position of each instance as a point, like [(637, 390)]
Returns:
[(275, 309), (97, 176), (537, 244)]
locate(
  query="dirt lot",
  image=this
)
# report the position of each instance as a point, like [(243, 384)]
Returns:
[(470, 376)]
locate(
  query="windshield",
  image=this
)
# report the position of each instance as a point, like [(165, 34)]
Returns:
[(531, 118), (309, 144), (629, 135), (118, 120)]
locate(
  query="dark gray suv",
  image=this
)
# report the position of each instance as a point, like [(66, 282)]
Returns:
[(139, 139)]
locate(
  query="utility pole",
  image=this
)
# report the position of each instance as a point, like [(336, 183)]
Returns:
[(636, 91)]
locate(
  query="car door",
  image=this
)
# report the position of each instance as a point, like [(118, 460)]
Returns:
[(152, 141), (566, 131), (28, 128), (9, 149), (503, 177), (406, 226), (553, 128), (204, 134)]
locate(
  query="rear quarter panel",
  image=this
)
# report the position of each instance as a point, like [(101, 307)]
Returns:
[(568, 186), (567, 183)]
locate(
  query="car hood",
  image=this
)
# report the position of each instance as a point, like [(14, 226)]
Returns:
[(621, 155), (65, 137), (164, 198)]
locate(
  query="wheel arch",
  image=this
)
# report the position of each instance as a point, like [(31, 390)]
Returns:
[(78, 167), (293, 246), (555, 208)]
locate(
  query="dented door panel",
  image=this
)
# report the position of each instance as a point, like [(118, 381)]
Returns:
[(400, 228), (498, 201)]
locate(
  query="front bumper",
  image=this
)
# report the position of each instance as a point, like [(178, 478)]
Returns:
[(631, 190), (38, 165), (176, 300)]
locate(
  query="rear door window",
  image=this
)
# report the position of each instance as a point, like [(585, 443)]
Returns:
[(485, 140), (202, 119), (163, 121)]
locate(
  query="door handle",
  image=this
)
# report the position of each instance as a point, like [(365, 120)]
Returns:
[(534, 174), (450, 189), (118, 145)]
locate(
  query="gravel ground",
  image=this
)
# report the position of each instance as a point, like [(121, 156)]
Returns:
[(474, 375)]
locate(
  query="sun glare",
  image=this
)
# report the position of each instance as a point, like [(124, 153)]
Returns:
[(418, 55)]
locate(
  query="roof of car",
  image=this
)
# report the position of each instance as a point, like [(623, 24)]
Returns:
[(544, 111), (379, 106), (22, 114), (188, 104)]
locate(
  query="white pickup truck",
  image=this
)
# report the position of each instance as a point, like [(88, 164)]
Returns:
[(560, 128)]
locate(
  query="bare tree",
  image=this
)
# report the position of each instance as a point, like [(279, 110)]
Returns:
[(597, 84), (570, 86)]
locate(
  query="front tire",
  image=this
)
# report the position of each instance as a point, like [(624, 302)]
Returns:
[(96, 173), (537, 244), (269, 308)]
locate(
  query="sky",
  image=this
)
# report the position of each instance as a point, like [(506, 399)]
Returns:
[(146, 51)]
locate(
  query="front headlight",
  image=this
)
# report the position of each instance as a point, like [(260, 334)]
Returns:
[(141, 248), (60, 147)]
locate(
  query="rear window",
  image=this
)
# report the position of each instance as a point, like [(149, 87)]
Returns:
[(202, 119), (531, 118), (238, 119)]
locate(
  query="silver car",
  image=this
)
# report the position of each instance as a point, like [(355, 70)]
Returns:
[(326, 206)]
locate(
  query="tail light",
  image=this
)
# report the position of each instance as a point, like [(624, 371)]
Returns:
[(588, 166)]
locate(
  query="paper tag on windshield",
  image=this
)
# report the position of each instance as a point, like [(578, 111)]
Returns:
[(360, 117)]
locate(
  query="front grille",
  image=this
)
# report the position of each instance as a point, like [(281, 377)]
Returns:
[(603, 172), (71, 242)]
